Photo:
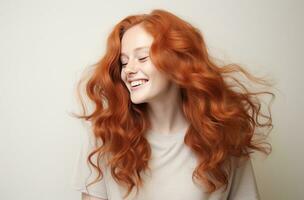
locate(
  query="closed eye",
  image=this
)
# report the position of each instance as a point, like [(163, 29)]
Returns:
[(141, 59)]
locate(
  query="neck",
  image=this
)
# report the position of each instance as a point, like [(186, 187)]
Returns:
[(166, 115)]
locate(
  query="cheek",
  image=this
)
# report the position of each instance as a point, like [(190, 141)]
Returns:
[(160, 80), (123, 77), (165, 83)]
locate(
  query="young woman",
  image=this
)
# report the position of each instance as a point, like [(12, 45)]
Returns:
[(168, 123)]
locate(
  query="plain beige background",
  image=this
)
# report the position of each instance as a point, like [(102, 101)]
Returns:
[(45, 45)]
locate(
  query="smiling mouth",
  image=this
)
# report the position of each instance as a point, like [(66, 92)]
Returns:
[(138, 84)]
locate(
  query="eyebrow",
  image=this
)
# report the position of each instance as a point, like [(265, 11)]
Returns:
[(136, 49)]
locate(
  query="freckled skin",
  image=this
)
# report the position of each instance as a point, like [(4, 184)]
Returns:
[(158, 85)]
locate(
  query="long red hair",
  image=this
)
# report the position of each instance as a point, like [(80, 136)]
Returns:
[(223, 114)]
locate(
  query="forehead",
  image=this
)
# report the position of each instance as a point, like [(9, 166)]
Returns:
[(135, 39)]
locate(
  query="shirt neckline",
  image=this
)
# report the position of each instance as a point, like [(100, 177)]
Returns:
[(166, 137)]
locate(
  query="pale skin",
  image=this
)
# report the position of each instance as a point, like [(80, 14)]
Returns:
[(161, 94)]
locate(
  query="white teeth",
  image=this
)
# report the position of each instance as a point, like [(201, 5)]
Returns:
[(136, 83)]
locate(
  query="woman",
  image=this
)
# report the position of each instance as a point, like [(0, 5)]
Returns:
[(167, 122)]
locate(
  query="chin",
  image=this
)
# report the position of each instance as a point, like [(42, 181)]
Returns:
[(137, 101)]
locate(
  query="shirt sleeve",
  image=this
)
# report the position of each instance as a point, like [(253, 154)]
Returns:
[(84, 173), (244, 184)]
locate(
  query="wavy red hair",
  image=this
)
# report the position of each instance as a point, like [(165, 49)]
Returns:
[(223, 114)]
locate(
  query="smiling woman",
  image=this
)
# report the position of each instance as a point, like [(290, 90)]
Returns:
[(144, 81), (167, 123)]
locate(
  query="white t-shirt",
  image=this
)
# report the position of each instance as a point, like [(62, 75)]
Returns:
[(172, 164)]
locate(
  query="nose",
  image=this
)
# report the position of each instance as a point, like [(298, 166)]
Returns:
[(130, 68)]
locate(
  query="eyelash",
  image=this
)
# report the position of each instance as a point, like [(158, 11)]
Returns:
[(141, 59)]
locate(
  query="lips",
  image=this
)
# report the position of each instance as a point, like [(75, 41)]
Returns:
[(138, 83), (137, 79)]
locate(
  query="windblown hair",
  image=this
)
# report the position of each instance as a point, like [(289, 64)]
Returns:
[(223, 114)]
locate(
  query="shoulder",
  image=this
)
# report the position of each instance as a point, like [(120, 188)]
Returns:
[(243, 181)]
